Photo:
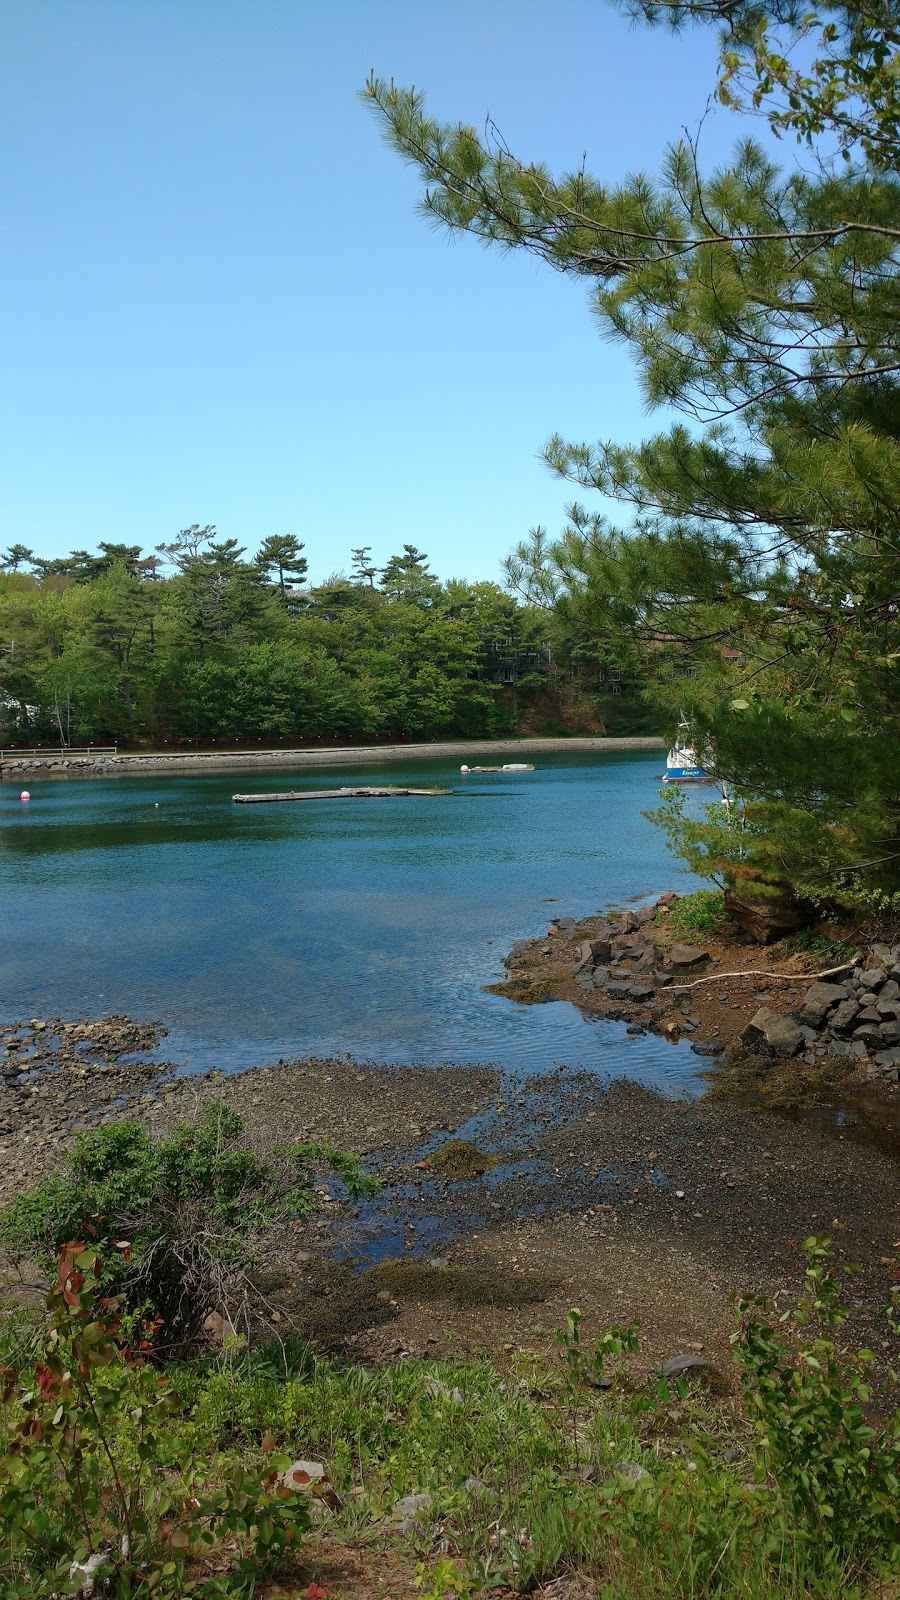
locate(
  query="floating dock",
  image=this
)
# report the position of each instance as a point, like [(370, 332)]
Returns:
[(332, 794)]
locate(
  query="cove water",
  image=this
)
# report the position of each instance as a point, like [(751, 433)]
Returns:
[(359, 927)]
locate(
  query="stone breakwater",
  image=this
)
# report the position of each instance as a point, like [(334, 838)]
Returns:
[(199, 761), (631, 967)]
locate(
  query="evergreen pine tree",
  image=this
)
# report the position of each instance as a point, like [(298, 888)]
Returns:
[(755, 583)]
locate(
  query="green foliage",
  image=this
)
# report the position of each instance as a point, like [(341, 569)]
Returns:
[(551, 1456), (177, 1223), (752, 584), (810, 1399), (225, 648), (812, 69), (700, 912), (819, 945), (100, 1465)]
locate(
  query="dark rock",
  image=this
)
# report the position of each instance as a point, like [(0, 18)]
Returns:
[(769, 1032), (873, 977), (888, 1010), (843, 1018), (585, 957), (869, 1032), (645, 961), (641, 991), (766, 920), (687, 955), (707, 1049), (584, 978), (619, 991), (601, 949), (668, 898), (869, 1014), (628, 923), (826, 995), (890, 1032), (601, 977), (890, 990), (662, 979), (811, 1015)]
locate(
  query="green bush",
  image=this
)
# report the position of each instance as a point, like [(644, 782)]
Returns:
[(700, 912), (104, 1478), (177, 1223), (811, 1400), (820, 945)]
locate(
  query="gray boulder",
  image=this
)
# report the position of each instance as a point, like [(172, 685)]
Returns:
[(827, 994), (844, 1017), (772, 1034), (687, 955), (872, 977)]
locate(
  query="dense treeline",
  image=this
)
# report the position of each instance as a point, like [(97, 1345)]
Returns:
[(199, 643)]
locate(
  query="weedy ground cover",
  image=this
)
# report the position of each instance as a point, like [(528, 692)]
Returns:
[(154, 1478)]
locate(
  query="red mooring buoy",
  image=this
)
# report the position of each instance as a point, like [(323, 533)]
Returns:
[(24, 795)]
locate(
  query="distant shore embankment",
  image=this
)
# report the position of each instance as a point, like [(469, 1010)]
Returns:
[(60, 765)]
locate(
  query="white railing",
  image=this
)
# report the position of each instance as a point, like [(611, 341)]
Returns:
[(70, 750)]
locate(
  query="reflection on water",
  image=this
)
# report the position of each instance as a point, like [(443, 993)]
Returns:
[(256, 932)]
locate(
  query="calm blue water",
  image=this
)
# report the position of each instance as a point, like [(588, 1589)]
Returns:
[(256, 932)]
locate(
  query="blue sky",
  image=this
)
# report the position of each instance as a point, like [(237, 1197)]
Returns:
[(221, 307)]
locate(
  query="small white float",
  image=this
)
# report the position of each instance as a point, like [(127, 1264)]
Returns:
[(510, 766)]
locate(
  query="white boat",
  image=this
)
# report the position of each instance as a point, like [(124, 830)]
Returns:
[(682, 762)]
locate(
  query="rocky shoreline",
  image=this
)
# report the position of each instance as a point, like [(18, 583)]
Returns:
[(741, 1005)]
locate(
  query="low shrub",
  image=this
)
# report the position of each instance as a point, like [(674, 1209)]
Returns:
[(700, 912), (820, 945), (178, 1223), (810, 1399), (104, 1482)]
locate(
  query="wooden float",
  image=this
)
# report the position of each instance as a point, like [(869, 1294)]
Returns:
[(333, 794)]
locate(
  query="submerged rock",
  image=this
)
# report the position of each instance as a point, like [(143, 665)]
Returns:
[(459, 1159)]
